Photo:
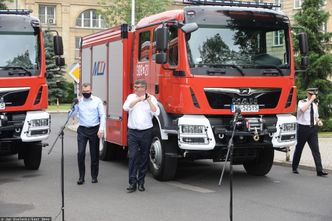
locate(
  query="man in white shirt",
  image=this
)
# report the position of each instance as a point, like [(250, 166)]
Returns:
[(307, 119), (141, 107)]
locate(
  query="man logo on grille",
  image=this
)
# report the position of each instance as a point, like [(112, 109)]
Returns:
[(245, 91)]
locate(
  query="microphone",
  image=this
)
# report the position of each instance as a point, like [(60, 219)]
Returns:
[(237, 112), (75, 101)]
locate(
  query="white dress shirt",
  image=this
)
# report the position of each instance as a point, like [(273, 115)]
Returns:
[(303, 118), (140, 116)]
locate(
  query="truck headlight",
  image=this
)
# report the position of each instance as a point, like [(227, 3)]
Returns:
[(192, 129), (39, 122), (288, 127)]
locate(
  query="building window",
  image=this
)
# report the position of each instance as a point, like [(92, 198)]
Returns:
[(47, 14), (297, 4), (278, 38), (77, 42), (90, 19), (77, 46)]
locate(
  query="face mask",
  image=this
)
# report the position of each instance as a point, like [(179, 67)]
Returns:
[(86, 95)]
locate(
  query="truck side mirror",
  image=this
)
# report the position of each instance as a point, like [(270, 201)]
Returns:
[(304, 49), (58, 45), (303, 43), (162, 38), (60, 61)]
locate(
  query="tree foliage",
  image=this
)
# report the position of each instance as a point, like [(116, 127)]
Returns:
[(117, 12), (57, 84), (3, 4), (310, 19)]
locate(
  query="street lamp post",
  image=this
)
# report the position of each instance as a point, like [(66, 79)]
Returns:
[(133, 13)]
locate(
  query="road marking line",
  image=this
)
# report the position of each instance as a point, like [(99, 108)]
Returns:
[(191, 187)]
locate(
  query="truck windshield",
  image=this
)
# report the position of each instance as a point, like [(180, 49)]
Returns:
[(239, 47), (20, 54)]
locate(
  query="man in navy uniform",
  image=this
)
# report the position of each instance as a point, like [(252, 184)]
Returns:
[(307, 120)]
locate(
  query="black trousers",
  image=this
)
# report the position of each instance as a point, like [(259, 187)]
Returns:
[(310, 135), (85, 134), (139, 142)]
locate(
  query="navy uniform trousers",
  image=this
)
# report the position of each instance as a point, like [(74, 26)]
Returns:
[(85, 134), (139, 142), (307, 134)]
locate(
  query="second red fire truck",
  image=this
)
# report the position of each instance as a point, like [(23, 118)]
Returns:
[(202, 63)]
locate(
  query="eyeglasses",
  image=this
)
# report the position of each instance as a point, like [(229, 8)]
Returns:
[(136, 87)]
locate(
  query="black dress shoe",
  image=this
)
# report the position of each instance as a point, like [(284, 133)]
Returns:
[(295, 171), (322, 173), (80, 181), (141, 187), (94, 180), (131, 188)]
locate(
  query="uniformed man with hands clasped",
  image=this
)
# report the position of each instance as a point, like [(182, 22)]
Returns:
[(307, 120)]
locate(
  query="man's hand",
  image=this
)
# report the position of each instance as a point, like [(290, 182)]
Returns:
[(100, 134), (313, 97), (320, 123)]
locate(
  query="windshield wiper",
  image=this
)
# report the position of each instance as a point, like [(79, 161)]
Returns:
[(266, 66), (26, 71), (225, 65)]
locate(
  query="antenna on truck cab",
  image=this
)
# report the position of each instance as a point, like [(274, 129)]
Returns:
[(232, 3)]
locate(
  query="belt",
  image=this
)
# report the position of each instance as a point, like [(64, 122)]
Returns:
[(308, 126), (136, 130), (89, 127)]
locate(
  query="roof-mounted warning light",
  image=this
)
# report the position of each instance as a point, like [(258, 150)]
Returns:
[(232, 3), (16, 11)]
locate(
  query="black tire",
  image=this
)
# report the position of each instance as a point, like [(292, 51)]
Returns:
[(32, 155), (163, 157), (107, 151), (262, 164)]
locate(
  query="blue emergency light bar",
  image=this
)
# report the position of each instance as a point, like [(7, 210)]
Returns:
[(16, 11), (232, 3)]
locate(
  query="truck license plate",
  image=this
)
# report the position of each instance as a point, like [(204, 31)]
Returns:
[(252, 108), (2, 105)]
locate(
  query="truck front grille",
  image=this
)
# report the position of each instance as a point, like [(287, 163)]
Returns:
[(223, 98)]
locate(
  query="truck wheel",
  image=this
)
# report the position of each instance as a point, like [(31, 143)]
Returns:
[(163, 157), (32, 155), (107, 151), (262, 164)]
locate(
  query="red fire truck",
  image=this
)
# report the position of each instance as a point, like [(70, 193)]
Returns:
[(24, 123), (202, 63)]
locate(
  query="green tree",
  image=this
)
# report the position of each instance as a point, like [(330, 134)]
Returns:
[(117, 12), (311, 19), (57, 84)]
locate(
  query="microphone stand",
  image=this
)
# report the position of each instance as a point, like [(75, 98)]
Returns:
[(61, 134), (230, 155)]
